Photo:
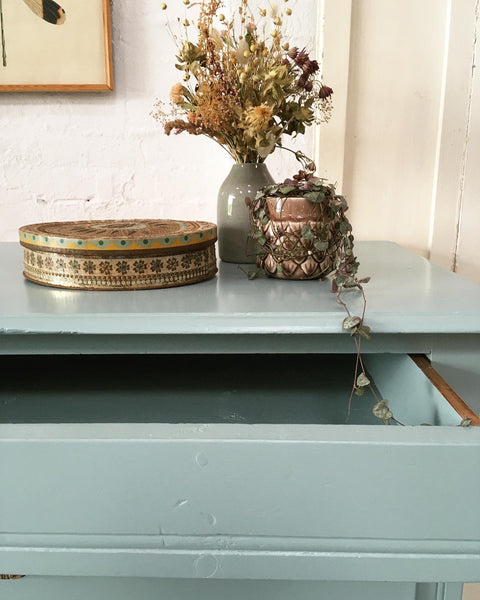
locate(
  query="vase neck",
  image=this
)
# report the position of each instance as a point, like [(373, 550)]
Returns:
[(249, 167)]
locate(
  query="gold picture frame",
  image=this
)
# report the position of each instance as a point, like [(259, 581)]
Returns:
[(55, 46)]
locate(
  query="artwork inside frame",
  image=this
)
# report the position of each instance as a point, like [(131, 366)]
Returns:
[(49, 45)]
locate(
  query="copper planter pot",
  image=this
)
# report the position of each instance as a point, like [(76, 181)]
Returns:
[(289, 253)]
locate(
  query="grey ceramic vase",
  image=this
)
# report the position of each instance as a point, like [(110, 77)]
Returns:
[(233, 218)]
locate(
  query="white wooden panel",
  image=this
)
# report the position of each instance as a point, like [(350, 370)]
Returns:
[(393, 113), (454, 134), (385, 61), (334, 45), (468, 247)]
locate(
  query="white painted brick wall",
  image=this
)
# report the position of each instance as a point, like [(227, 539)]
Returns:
[(94, 156)]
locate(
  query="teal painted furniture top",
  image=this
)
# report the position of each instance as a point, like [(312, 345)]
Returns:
[(177, 465), (407, 294)]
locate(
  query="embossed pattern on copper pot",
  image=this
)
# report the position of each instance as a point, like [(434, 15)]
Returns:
[(287, 248)]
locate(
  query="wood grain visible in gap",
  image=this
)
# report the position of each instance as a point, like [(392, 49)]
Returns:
[(450, 395)]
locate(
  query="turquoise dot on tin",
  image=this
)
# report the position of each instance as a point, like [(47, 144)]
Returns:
[(46, 239), (100, 242), (201, 235), (145, 242), (79, 242), (123, 242), (186, 238), (167, 240), (34, 237), (62, 241)]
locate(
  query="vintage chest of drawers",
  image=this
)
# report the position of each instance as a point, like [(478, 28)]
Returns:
[(191, 442)]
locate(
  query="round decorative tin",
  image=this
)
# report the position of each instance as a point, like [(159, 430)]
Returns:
[(119, 255)]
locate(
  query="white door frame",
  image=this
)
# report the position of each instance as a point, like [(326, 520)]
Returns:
[(334, 27), (454, 129), (458, 60)]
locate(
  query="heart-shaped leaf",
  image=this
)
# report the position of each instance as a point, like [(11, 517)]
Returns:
[(362, 380), (351, 322), (286, 190), (364, 331), (319, 245), (382, 412)]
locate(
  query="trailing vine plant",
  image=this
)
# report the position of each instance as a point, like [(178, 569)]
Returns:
[(328, 243)]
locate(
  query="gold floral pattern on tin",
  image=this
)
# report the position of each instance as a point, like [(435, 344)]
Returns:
[(116, 273)]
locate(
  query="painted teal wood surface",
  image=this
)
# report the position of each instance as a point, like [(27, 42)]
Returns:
[(407, 294), (233, 468), (99, 588), (259, 506)]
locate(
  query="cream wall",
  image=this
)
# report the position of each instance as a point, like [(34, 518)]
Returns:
[(406, 143)]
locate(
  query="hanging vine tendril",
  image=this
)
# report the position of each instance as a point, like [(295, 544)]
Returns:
[(317, 244)]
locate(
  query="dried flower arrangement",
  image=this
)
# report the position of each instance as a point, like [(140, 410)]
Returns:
[(243, 85), (246, 87)]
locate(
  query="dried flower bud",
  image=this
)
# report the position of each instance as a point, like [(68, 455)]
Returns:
[(293, 53), (301, 58), (263, 12), (310, 67), (286, 46), (302, 80), (176, 93), (164, 6), (325, 92), (288, 11), (221, 17)]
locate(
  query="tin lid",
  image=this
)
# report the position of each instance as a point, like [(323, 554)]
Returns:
[(118, 237)]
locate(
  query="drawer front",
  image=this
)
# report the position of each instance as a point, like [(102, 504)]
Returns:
[(245, 508), (301, 501), (122, 588)]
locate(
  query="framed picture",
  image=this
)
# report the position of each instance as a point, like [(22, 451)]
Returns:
[(55, 46)]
